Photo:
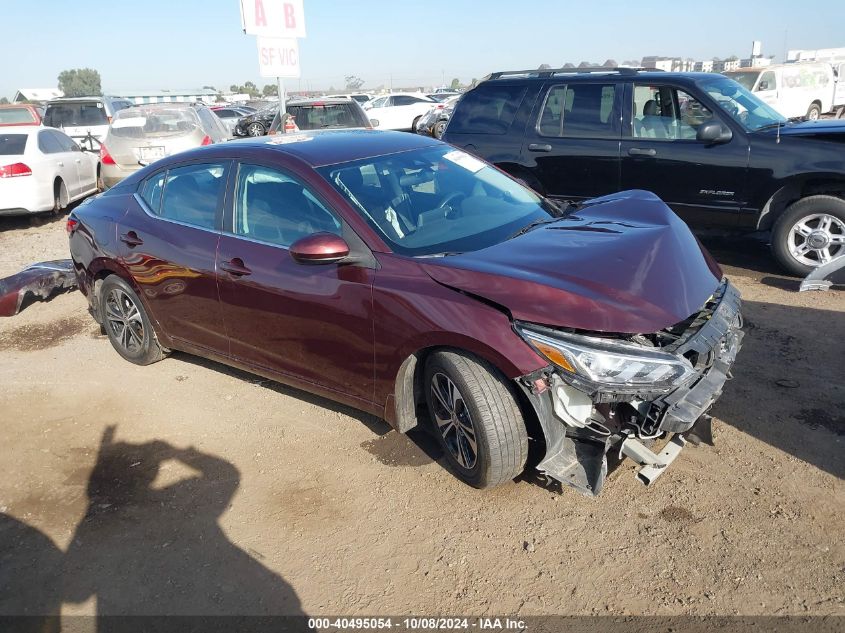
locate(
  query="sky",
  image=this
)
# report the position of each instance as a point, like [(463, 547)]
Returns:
[(167, 44)]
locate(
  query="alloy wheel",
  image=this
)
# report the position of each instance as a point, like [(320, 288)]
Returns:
[(816, 239), (454, 421), (255, 129), (124, 321)]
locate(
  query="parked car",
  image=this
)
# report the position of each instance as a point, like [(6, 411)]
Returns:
[(395, 274), (141, 135), (257, 123), (398, 111), (81, 117), (433, 123), (321, 114), (230, 115), (360, 97), (19, 114), (440, 97), (42, 169), (721, 158), (805, 89)]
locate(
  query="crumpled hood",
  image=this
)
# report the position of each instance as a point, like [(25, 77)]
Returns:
[(623, 263)]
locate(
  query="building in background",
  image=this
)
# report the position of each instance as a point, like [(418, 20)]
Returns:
[(815, 55), (168, 96), (38, 95)]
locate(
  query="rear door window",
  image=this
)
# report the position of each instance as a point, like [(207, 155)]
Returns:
[(488, 109), (192, 194), (65, 142), (12, 144), (316, 117), (583, 110), (48, 143)]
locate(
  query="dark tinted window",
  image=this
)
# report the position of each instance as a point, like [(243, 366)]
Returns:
[(226, 113), (48, 143), (273, 207), (401, 100), (75, 114), (488, 109), (12, 144), (315, 117), (191, 194), (580, 110), (65, 142), (151, 191)]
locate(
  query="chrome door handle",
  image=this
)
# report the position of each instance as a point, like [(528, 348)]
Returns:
[(639, 151), (539, 147)]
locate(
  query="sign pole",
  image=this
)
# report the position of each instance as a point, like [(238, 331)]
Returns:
[(281, 91)]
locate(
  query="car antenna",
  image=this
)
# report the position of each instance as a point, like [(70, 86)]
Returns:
[(777, 141)]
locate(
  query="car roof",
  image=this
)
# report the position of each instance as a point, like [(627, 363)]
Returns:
[(318, 148), (89, 98), (594, 74), (326, 101)]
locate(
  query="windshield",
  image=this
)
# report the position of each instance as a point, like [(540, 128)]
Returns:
[(745, 79), (742, 106), (437, 201), (141, 123), (12, 144)]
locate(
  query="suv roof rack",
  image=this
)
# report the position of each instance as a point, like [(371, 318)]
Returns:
[(549, 72)]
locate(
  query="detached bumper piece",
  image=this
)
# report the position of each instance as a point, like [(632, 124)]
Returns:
[(39, 280), (621, 426), (826, 275)]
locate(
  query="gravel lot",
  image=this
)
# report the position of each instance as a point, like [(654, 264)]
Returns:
[(220, 492)]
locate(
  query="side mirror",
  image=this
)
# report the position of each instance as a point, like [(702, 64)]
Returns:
[(764, 85), (319, 248), (374, 122), (713, 132)]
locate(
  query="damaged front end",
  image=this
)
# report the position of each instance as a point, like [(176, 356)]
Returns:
[(615, 395), (39, 281)]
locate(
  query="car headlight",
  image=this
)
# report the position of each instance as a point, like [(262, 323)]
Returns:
[(597, 364)]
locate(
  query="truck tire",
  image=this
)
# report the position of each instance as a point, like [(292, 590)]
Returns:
[(814, 111), (809, 233)]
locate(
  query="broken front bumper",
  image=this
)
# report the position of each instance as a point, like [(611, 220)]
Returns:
[(38, 280), (625, 425)]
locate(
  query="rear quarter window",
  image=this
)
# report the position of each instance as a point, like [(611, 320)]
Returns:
[(12, 144), (488, 109)]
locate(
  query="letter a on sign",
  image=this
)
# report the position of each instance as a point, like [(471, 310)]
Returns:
[(273, 18)]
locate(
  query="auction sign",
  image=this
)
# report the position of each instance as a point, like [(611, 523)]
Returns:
[(278, 57)]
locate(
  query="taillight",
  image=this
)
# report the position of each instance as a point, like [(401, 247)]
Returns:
[(105, 157), (14, 170), (207, 140), (71, 225)]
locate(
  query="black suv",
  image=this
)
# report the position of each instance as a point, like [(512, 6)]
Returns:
[(719, 156)]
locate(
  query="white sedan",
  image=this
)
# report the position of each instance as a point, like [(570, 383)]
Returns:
[(43, 169), (398, 111)]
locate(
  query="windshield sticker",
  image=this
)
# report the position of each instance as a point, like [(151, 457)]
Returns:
[(135, 121), (470, 163)]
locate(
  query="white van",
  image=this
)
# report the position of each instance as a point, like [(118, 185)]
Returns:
[(800, 89)]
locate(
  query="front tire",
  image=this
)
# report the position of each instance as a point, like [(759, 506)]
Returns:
[(814, 111), (439, 128), (476, 419), (255, 129), (126, 323), (809, 233)]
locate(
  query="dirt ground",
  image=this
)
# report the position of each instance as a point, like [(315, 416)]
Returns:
[(201, 489)]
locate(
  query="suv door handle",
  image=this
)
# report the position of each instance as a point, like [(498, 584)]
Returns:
[(235, 267), (639, 151), (539, 147), (131, 239)]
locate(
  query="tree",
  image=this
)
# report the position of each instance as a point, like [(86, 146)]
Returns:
[(270, 90), (732, 58), (80, 82), (4, 100), (353, 82), (456, 84), (584, 65), (473, 83), (209, 88), (234, 88), (632, 63)]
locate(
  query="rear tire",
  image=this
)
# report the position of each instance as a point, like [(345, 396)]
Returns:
[(476, 419), (809, 233), (255, 129), (414, 124), (126, 323), (438, 129), (60, 197), (814, 111), (101, 185)]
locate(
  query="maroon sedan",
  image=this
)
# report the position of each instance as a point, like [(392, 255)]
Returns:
[(398, 275)]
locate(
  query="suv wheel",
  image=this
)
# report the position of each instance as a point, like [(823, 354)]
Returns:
[(810, 232), (255, 129), (476, 419)]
